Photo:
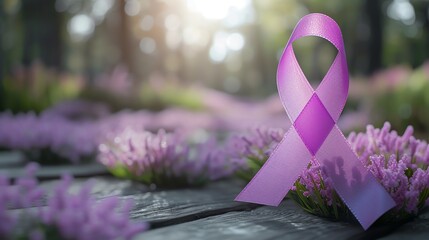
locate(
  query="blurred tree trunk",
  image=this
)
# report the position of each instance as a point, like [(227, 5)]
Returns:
[(159, 37), (426, 27), (425, 11), (373, 9), (124, 38), (42, 32), (88, 58), (260, 59)]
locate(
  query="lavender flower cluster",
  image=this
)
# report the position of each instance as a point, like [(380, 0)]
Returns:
[(399, 163), (75, 216), (247, 151), (163, 159), (40, 136), (71, 131)]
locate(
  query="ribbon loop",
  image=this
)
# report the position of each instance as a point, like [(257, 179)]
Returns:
[(338, 84), (318, 25), (314, 133)]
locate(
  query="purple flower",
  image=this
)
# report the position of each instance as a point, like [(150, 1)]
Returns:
[(399, 163), (37, 135), (79, 216), (164, 159), (73, 215), (247, 151)]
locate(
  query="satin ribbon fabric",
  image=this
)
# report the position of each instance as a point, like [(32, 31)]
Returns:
[(314, 133)]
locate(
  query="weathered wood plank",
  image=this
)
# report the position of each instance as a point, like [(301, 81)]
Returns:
[(167, 207), (416, 229), (101, 186), (11, 159), (52, 172), (286, 221), (12, 165), (211, 213)]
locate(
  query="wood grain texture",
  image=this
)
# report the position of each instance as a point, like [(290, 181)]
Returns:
[(12, 165), (211, 213), (287, 221), (11, 159), (169, 206), (416, 229)]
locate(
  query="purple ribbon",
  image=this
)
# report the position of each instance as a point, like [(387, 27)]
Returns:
[(314, 133)]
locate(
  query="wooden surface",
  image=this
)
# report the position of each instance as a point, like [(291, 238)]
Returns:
[(211, 213), (11, 165)]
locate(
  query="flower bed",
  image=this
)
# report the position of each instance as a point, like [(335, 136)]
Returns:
[(48, 140), (75, 216), (163, 159), (399, 163)]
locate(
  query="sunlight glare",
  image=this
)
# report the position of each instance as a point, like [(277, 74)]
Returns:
[(235, 41), (216, 9), (80, 27)]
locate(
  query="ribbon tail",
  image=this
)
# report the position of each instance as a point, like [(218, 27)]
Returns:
[(361, 192), (273, 181)]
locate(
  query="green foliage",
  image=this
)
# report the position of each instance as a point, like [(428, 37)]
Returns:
[(170, 95), (36, 89), (49, 232), (318, 206), (147, 96), (160, 180), (404, 104)]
